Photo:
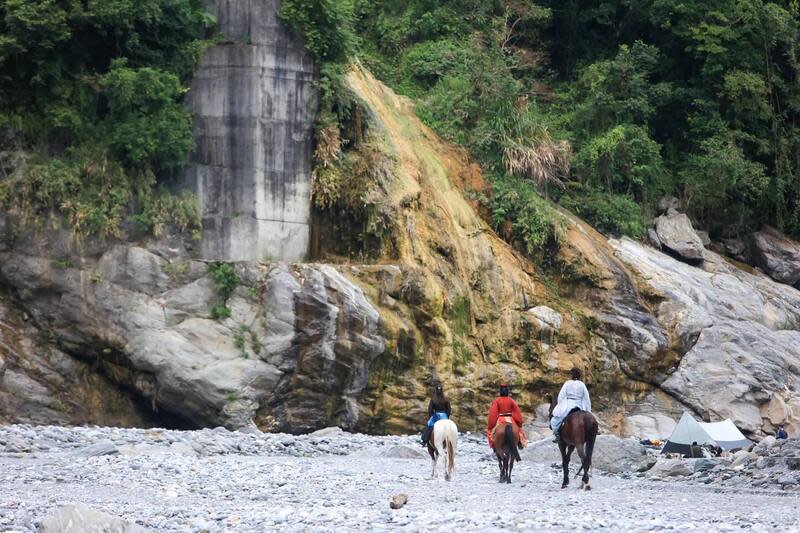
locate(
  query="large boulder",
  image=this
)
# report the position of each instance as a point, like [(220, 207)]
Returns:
[(777, 255), (667, 468), (294, 355), (82, 519), (675, 232), (734, 337)]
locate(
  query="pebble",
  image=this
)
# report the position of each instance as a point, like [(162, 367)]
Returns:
[(218, 480)]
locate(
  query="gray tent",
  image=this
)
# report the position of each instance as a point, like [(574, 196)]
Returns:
[(725, 434)]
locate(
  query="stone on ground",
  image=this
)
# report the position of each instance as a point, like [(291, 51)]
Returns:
[(82, 519), (666, 468), (404, 452), (397, 501)]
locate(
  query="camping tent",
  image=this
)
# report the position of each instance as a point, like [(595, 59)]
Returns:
[(725, 434)]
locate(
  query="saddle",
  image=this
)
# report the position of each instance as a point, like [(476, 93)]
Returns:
[(574, 409)]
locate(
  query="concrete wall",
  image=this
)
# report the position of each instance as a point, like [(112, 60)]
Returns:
[(254, 104)]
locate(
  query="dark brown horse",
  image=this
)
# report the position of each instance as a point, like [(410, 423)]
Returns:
[(578, 432), (506, 438)]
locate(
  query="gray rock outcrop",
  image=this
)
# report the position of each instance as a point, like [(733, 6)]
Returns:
[(777, 255), (294, 354), (734, 334), (675, 233), (40, 384), (254, 102)]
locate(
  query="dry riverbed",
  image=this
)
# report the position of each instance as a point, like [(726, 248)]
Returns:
[(216, 480)]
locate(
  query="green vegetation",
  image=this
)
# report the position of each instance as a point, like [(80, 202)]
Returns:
[(93, 93), (219, 312), (603, 106), (224, 277), (176, 268), (521, 215), (62, 263), (239, 341), (616, 214), (226, 280), (255, 343)]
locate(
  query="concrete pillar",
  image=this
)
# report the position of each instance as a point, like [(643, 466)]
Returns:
[(254, 103)]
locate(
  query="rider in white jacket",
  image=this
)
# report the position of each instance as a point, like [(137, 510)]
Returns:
[(573, 394)]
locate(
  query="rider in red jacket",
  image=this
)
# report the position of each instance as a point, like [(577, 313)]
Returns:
[(505, 405)]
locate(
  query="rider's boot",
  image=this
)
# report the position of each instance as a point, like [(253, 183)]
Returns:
[(426, 434), (556, 436)]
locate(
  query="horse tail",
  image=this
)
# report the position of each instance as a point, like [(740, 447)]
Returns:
[(508, 438), (451, 451), (590, 435), (450, 442)]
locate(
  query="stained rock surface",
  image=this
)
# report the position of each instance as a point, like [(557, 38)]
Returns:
[(294, 353), (254, 100)]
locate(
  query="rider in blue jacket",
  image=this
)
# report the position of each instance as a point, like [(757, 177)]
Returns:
[(438, 409)]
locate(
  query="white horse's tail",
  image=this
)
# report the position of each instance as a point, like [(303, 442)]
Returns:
[(451, 439)]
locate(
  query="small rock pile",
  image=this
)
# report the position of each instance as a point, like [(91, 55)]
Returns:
[(770, 464), (23, 439)]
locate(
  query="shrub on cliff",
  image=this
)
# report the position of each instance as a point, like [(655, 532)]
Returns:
[(93, 91)]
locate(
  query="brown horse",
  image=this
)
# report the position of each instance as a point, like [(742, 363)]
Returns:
[(578, 432), (506, 438)]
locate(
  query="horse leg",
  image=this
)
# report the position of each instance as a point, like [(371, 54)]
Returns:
[(586, 461), (581, 449), (510, 468), (566, 452), (500, 467)]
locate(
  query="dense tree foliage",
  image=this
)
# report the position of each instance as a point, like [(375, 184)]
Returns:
[(93, 91), (698, 99)]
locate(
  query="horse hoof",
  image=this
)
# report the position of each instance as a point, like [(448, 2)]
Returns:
[(587, 487), (564, 485)]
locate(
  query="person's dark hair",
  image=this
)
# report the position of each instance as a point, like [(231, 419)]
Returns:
[(575, 373), (503, 390), (438, 393)]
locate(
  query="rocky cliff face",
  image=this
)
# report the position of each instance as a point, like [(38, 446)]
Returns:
[(357, 345), (40, 384), (293, 354), (254, 102), (738, 335)]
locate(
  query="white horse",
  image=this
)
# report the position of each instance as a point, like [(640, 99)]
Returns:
[(444, 438)]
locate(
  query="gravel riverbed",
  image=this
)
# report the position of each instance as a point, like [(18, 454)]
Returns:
[(216, 480)]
